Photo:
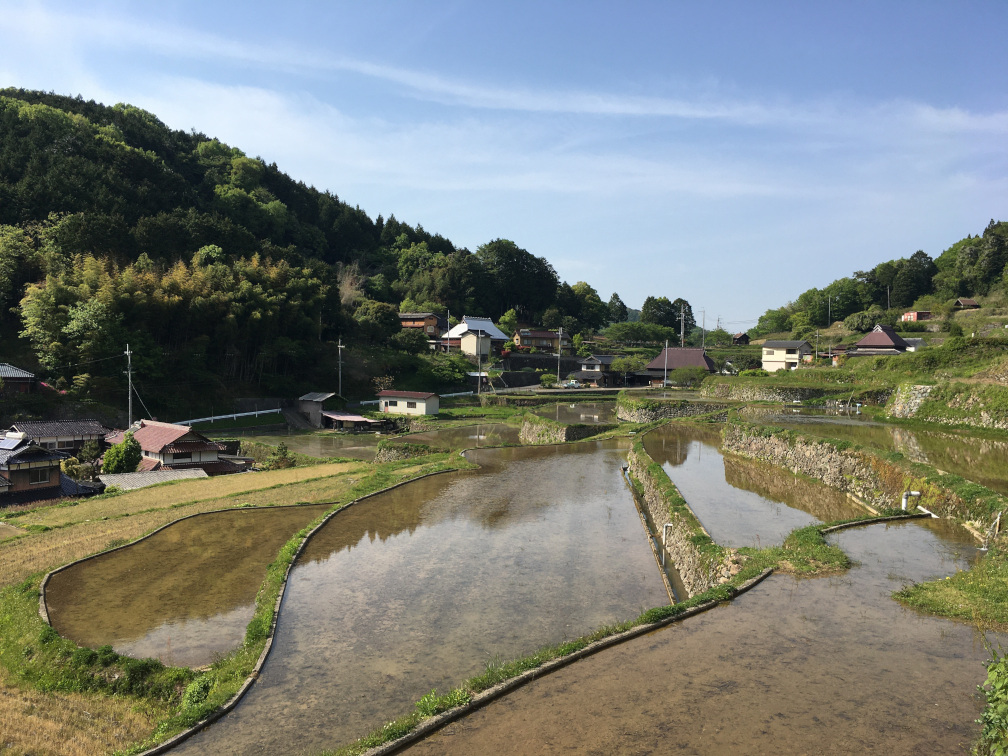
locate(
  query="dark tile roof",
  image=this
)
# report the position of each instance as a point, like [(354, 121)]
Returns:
[(50, 428), (9, 371), (882, 337), (786, 344), (27, 449)]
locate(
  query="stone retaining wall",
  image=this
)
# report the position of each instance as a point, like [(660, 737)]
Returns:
[(648, 411), (537, 430), (699, 571), (876, 481), (907, 399), (760, 392)]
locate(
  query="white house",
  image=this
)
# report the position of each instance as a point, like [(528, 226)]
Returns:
[(785, 355), (408, 402), (475, 336)]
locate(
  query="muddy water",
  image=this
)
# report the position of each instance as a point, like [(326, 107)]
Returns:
[(350, 445), (828, 665), (184, 595), (466, 436), (983, 460), (573, 413), (419, 587), (740, 503)]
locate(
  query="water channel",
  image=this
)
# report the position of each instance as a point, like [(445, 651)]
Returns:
[(827, 665), (183, 595), (421, 586)]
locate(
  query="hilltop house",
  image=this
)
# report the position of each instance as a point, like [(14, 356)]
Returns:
[(408, 402), (15, 380), (964, 303), (63, 435), (166, 445), (785, 355), (474, 336), (740, 339), (428, 322), (915, 316), (541, 339)]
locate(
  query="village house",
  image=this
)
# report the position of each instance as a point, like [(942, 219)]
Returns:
[(596, 371), (431, 324), (28, 471), (63, 435), (408, 402), (785, 355), (674, 358), (541, 339), (964, 303), (166, 445), (740, 339), (15, 380), (881, 340), (475, 337), (915, 316)]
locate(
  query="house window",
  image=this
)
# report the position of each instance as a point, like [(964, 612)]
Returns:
[(48, 444), (410, 405), (391, 403), (792, 351), (182, 456), (38, 475), (64, 444), (768, 352)]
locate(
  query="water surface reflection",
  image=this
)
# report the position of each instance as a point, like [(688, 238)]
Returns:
[(828, 665), (419, 587)]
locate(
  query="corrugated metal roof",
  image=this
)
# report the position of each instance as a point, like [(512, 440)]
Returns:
[(317, 396)]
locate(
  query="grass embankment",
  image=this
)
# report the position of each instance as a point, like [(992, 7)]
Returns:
[(85, 701)]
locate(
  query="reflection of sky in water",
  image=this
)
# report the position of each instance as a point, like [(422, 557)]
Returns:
[(573, 413), (733, 516), (419, 587), (192, 642), (824, 665)]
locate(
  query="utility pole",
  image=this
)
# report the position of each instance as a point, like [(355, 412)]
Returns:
[(340, 347), (559, 351), (682, 326), (665, 379), (448, 350), (479, 361), (129, 374)]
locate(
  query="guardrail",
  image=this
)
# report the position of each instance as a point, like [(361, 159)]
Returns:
[(229, 416)]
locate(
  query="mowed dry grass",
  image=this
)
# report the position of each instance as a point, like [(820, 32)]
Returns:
[(179, 492), (93, 525), (69, 724)]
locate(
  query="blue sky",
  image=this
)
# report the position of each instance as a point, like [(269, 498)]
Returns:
[(731, 153)]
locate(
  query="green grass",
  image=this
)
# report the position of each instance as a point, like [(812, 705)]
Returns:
[(978, 595), (222, 425)]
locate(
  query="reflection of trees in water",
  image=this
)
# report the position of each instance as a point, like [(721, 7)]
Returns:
[(775, 483), (670, 444)]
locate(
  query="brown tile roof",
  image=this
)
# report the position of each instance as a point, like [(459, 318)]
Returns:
[(154, 436), (884, 337), (681, 358)]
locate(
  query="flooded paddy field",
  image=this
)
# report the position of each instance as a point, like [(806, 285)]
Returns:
[(183, 595), (325, 445), (826, 665), (574, 413), (738, 501), (982, 460), (419, 587), (466, 436)]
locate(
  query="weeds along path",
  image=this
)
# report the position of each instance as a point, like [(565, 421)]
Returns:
[(93, 525)]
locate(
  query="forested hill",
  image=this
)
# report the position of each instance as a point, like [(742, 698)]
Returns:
[(976, 266), (115, 229)]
